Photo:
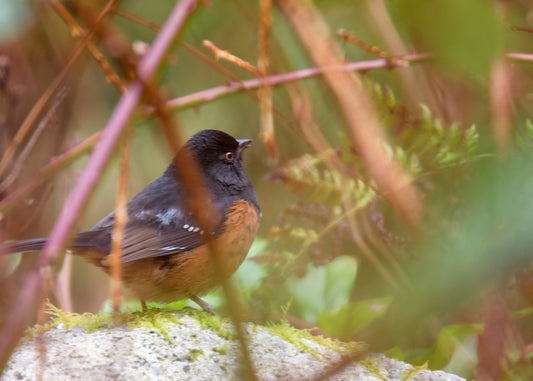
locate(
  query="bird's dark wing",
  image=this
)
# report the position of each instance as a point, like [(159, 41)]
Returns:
[(142, 242), (145, 236), (157, 225)]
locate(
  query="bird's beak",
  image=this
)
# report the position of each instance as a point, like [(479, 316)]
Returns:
[(243, 143)]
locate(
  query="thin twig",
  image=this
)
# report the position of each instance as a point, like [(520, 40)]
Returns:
[(62, 285), (215, 93), (501, 103), (340, 365), (121, 219), (265, 91), (137, 19), (79, 32), (347, 36), (45, 121), (225, 55), (36, 208), (55, 165)]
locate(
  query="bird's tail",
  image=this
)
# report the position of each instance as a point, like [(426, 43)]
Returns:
[(34, 244), (83, 240)]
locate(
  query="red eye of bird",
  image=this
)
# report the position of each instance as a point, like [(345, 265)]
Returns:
[(229, 156)]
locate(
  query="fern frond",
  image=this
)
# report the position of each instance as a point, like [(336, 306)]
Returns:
[(316, 229), (310, 176)]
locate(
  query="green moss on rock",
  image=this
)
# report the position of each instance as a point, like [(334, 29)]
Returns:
[(300, 337)]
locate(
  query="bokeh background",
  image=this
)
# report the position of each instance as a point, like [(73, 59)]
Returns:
[(449, 286)]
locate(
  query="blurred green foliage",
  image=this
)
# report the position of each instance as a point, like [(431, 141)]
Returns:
[(15, 16), (465, 35)]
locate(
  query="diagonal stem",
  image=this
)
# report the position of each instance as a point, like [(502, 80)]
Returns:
[(77, 199), (214, 93)]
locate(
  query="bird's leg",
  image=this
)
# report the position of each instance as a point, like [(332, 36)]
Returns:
[(205, 306), (143, 305)]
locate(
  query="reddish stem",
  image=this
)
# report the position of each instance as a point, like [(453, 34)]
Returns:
[(77, 199)]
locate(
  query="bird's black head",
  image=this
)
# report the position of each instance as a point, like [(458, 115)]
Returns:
[(219, 156)]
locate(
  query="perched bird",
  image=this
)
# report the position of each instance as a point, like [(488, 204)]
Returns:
[(167, 254)]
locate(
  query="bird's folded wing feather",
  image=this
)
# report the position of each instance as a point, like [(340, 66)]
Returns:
[(145, 236)]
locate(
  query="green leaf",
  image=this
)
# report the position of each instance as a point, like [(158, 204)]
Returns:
[(447, 341), (323, 288), (307, 293), (11, 262), (250, 273), (395, 353), (348, 320), (339, 281)]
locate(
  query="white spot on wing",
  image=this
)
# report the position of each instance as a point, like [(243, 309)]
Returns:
[(172, 248), (169, 216), (193, 229), (165, 218), (143, 213)]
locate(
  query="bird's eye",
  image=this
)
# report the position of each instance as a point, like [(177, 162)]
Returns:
[(229, 156)]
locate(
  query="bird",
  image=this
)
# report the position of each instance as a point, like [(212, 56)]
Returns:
[(168, 253)]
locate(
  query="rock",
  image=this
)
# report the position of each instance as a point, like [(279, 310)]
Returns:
[(195, 347)]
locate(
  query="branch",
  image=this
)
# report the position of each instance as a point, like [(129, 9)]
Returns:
[(79, 32), (214, 93), (55, 164)]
